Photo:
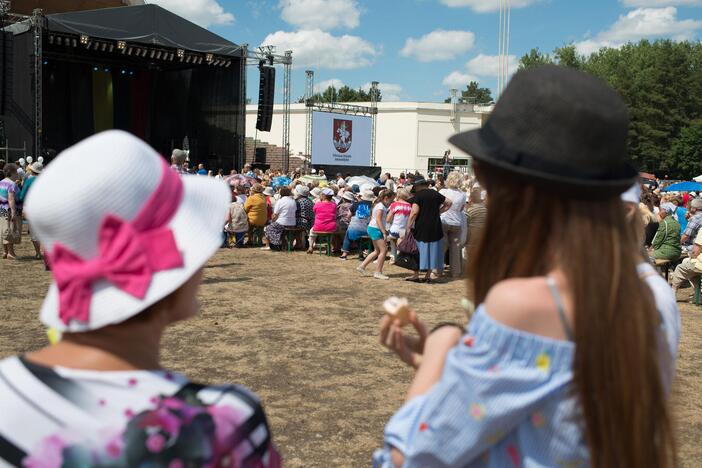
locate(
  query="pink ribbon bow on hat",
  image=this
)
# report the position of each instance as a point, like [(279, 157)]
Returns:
[(129, 253)]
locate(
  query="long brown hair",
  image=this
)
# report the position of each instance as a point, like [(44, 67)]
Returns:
[(617, 371)]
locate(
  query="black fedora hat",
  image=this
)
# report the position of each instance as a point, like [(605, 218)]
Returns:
[(565, 129)]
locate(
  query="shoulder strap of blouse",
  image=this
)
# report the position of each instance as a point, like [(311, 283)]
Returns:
[(559, 305)]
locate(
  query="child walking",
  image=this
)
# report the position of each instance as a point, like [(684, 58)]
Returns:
[(378, 234), (398, 215)]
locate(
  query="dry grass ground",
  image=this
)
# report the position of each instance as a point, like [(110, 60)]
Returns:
[(302, 332)]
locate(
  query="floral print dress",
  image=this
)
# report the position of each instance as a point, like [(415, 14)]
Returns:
[(57, 417)]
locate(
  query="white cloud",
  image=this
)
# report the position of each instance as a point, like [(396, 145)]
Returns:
[(485, 6), (660, 3), (458, 80), (316, 48), (489, 65), (438, 45), (323, 85), (321, 14), (389, 91), (639, 24), (202, 12)]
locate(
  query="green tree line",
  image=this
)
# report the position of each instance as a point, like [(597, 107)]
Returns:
[(661, 83), (344, 94)]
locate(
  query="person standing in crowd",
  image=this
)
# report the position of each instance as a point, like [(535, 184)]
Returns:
[(305, 212), (220, 174), (378, 234), (324, 217), (178, 157), (454, 223), (398, 215), (33, 172), (666, 243), (358, 227), (388, 182), (100, 395), (284, 216), (694, 221), (648, 211), (425, 222), (558, 359), (201, 170), (10, 215), (257, 211), (476, 214), (237, 223), (269, 193), (680, 213)]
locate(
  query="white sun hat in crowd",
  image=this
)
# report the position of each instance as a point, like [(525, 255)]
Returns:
[(633, 195), (302, 191), (123, 234), (349, 196), (268, 191)]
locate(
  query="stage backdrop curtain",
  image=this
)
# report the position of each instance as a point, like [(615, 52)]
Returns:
[(103, 103)]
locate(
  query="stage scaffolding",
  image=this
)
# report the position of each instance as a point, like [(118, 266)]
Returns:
[(267, 54), (341, 108)]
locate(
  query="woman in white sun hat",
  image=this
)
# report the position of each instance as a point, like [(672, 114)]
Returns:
[(125, 267)]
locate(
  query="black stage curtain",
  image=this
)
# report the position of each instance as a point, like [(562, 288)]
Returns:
[(161, 107), (18, 95)]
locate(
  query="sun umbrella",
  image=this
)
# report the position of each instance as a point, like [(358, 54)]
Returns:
[(311, 179), (684, 187), (361, 181), (698, 178), (238, 180), (281, 182)]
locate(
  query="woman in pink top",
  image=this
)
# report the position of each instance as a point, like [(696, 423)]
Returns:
[(324, 216)]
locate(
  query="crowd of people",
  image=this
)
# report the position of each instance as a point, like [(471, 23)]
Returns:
[(14, 188), (567, 360), (442, 214)]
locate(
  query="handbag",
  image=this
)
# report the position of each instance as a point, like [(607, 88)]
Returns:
[(14, 231), (407, 261), (408, 245)]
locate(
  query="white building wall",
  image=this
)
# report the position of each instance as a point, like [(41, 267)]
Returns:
[(408, 133)]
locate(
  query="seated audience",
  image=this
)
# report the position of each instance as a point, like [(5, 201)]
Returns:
[(358, 226), (324, 217), (666, 243), (284, 217)]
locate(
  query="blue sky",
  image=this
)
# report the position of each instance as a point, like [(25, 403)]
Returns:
[(419, 49)]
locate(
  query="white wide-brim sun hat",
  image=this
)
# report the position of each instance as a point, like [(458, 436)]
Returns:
[(114, 173)]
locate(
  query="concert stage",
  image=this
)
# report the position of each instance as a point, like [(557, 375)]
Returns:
[(139, 68)]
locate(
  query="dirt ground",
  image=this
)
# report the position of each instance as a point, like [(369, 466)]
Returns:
[(302, 332)]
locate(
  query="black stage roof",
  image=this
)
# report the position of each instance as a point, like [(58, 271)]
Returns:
[(142, 24)]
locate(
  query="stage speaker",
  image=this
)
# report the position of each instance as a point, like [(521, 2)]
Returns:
[(6, 70), (260, 156), (266, 95)]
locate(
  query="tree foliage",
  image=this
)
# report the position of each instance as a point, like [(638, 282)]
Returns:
[(475, 94), (661, 83), (344, 94)]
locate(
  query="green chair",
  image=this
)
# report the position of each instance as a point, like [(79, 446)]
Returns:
[(364, 243), (257, 236), (324, 242), (290, 234)]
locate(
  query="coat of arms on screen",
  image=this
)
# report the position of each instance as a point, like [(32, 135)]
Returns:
[(343, 130)]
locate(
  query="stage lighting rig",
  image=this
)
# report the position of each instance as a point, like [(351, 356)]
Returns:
[(181, 54), (84, 40), (209, 58), (122, 45)]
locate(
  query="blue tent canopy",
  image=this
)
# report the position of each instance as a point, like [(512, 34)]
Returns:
[(684, 187)]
